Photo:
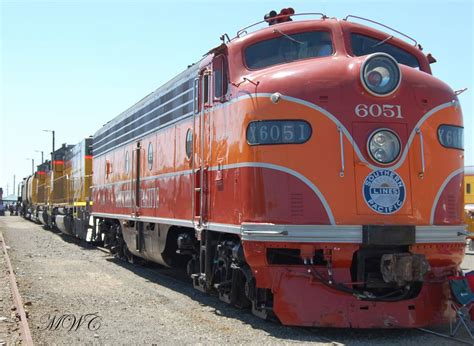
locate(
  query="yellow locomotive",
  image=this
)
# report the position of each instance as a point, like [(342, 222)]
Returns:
[(469, 199), (57, 194)]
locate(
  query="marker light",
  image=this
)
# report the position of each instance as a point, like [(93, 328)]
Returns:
[(275, 97), (287, 12), (269, 17)]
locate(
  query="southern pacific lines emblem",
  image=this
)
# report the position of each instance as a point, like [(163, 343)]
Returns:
[(384, 191)]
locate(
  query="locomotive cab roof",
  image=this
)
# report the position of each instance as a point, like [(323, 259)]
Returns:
[(340, 30)]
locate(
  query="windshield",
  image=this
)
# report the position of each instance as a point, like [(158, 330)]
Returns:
[(287, 48), (364, 45)]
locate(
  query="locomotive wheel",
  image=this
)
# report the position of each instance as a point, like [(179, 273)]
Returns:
[(127, 255), (131, 258)]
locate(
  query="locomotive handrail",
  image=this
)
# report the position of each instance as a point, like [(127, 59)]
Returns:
[(251, 232), (422, 153), (460, 91), (385, 26), (193, 152), (341, 144), (244, 30)]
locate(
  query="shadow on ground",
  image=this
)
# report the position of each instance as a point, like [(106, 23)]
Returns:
[(179, 282)]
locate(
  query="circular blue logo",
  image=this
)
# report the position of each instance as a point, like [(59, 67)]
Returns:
[(384, 191)]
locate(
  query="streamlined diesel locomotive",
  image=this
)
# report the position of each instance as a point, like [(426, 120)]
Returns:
[(310, 170)]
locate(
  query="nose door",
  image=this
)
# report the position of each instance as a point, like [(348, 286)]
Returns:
[(381, 189)]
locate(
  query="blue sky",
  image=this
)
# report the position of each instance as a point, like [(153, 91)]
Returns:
[(72, 66)]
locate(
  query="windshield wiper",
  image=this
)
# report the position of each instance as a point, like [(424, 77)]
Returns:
[(382, 42), (287, 36)]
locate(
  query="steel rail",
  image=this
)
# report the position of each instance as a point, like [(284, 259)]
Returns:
[(24, 328)]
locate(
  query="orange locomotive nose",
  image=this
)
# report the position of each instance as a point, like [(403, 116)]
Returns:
[(350, 220)]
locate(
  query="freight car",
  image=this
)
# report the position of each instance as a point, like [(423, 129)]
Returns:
[(311, 170), (32, 193)]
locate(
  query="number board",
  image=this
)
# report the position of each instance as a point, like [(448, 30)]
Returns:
[(451, 136), (278, 132)]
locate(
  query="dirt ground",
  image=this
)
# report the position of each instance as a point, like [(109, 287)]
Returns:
[(9, 329), (80, 295)]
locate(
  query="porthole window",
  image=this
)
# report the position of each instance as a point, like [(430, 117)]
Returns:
[(189, 143), (150, 156), (127, 162)]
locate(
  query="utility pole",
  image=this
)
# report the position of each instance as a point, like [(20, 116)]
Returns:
[(14, 184), (42, 152), (52, 153)]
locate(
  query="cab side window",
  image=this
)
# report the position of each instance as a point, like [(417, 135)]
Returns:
[(206, 89), (364, 45), (219, 67), (203, 92)]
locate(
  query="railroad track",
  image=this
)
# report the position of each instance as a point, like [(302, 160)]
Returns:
[(24, 328)]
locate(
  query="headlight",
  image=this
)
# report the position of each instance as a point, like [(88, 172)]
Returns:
[(384, 146), (380, 74)]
